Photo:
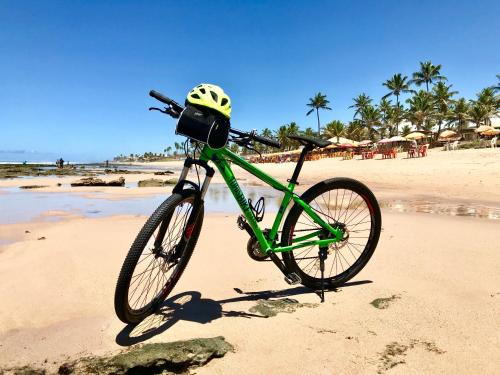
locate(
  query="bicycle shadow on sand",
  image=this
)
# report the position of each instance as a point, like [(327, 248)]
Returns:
[(190, 306)]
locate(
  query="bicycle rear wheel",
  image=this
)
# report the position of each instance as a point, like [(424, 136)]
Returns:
[(342, 202), (158, 257)]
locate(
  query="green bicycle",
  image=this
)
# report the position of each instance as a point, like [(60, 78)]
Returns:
[(328, 236)]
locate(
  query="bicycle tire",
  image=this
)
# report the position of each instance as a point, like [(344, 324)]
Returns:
[(180, 253), (311, 197)]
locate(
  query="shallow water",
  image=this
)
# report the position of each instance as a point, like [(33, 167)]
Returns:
[(443, 208), (24, 205)]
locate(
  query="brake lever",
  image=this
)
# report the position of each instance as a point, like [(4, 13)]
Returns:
[(168, 111), (158, 109)]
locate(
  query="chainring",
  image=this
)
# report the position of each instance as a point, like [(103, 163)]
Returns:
[(253, 250)]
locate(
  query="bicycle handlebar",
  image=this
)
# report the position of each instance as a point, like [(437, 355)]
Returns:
[(257, 138), (164, 99), (177, 108)]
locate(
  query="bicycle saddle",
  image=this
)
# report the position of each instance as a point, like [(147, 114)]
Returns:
[(310, 141)]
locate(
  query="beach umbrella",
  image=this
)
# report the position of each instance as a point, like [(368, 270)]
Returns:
[(385, 140), (415, 135), (397, 138), (366, 142), (483, 128), (341, 140), (491, 132), (447, 134)]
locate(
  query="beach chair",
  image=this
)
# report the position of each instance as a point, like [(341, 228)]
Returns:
[(493, 142), (422, 151), (454, 145)]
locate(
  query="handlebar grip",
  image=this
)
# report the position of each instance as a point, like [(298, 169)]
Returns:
[(165, 99), (267, 141), (162, 98)]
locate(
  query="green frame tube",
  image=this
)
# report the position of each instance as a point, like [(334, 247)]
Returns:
[(221, 157)]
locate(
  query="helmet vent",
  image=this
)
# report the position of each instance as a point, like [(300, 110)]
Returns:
[(196, 96), (202, 90), (223, 101), (214, 96)]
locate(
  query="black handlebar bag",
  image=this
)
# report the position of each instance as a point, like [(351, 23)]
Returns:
[(203, 125)]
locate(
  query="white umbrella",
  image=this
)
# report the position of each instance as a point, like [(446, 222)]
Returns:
[(447, 134), (397, 138), (365, 142), (385, 140), (415, 135)]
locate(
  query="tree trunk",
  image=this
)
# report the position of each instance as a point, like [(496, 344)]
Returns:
[(319, 129), (397, 123), (427, 85)]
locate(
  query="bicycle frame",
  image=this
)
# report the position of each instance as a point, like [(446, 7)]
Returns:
[(220, 159)]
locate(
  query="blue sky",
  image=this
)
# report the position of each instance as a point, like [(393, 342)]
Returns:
[(74, 75)]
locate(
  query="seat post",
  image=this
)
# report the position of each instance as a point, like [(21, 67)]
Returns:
[(294, 180)]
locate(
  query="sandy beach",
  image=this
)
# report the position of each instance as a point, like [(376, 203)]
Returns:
[(427, 302)]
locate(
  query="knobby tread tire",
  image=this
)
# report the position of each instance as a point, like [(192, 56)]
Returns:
[(122, 308)]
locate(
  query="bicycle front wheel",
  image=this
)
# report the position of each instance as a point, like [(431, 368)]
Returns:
[(344, 203), (158, 257)]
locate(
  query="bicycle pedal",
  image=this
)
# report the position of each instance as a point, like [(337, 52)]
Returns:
[(293, 279)]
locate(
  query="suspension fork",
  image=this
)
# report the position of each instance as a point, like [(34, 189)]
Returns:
[(198, 201)]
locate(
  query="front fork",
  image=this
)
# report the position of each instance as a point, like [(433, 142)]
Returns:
[(197, 204)]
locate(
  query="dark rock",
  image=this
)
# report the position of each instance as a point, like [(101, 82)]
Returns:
[(93, 181), (160, 358), (156, 182), (384, 303), (269, 308), (32, 186), (163, 173), (41, 238)]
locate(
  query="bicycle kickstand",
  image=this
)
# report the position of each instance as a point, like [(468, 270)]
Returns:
[(323, 254)]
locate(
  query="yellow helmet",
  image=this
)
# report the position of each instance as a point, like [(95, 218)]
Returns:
[(210, 96)]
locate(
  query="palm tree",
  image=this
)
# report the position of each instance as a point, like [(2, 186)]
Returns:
[(360, 103), (354, 130), (318, 102), (496, 87), (293, 128), (282, 136), (398, 85), (421, 109), (428, 73), (309, 132), (396, 115), (489, 101), (405, 130), (478, 113), (334, 128), (371, 118), (443, 99), (267, 133), (459, 114)]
